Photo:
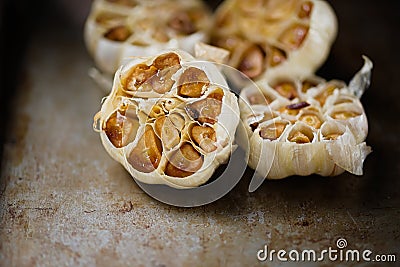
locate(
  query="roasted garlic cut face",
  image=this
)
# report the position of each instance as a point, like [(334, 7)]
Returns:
[(305, 126), (271, 37), (169, 119), (117, 30)]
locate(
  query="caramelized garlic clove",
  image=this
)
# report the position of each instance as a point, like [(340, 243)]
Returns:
[(273, 131), (205, 137), (105, 19), (118, 34), (167, 132), (311, 119), (332, 131), (161, 82), (258, 98), (286, 89), (166, 61), (306, 85), (299, 138), (305, 10), (192, 83), (177, 120), (276, 57), (173, 103), (121, 129), (294, 36), (206, 110), (327, 91), (252, 62), (184, 162), (344, 115), (345, 111), (156, 77), (139, 75), (146, 155)]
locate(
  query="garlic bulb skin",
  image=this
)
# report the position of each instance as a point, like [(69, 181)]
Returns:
[(275, 38), (116, 31), (301, 126), (173, 127)]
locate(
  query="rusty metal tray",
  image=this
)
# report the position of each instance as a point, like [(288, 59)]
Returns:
[(65, 202)]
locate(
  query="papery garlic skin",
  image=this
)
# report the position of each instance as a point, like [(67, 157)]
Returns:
[(322, 130), (275, 38), (147, 27), (168, 118)]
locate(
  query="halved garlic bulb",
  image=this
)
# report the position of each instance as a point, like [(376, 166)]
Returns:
[(117, 30), (304, 126), (169, 119), (269, 38)]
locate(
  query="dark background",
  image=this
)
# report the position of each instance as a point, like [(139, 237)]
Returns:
[(365, 28)]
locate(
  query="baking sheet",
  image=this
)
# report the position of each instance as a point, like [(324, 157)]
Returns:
[(65, 202)]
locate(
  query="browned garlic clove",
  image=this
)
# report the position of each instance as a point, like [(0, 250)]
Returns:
[(205, 137), (286, 89), (146, 156), (294, 36), (252, 62), (208, 109), (167, 132), (118, 34), (192, 83), (120, 128), (184, 162), (272, 131)]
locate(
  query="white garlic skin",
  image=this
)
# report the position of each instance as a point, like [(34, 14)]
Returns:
[(109, 55), (276, 159), (225, 127)]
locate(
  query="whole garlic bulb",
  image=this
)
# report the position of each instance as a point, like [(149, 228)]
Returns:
[(269, 38), (305, 126), (169, 119), (117, 30)]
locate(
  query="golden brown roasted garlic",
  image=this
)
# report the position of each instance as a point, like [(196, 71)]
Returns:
[(269, 38), (313, 126), (168, 129), (117, 30)]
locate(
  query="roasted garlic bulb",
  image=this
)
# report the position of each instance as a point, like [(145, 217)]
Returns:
[(169, 119), (117, 30), (305, 126), (269, 38)]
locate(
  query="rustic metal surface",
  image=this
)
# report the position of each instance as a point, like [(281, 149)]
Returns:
[(65, 202)]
